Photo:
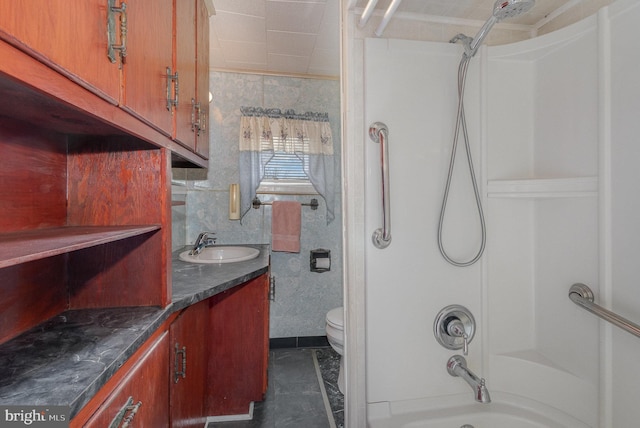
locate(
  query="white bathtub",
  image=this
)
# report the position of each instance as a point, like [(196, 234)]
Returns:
[(505, 411)]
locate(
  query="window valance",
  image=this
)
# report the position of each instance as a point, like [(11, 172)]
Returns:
[(288, 132)]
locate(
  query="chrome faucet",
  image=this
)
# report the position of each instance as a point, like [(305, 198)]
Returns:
[(202, 241), (457, 366)]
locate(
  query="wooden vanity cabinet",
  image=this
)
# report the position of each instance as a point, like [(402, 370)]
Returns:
[(239, 348), (188, 366), (142, 397)]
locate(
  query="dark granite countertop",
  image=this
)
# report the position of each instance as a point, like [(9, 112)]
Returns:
[(76, 352)]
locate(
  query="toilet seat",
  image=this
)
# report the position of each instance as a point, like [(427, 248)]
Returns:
[(335, 336), (335, 318)]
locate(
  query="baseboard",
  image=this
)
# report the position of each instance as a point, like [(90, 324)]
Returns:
[(231, 418), (298, 342)]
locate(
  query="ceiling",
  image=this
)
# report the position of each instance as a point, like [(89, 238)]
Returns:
[(302, 37)]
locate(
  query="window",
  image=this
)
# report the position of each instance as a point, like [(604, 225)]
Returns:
[(284, 171), (285, 152)]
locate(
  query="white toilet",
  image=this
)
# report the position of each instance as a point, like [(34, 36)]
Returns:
[(335, 335)]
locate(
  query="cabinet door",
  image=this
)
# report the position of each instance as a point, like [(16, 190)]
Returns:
[(189, 366), (202, 79), (185, 64), (143, 395), (149, 55), (68, 36), (238, 355)]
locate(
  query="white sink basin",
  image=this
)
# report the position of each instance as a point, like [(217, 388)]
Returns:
[(221, 254)]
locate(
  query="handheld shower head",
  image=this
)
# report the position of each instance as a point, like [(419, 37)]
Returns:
[(502, 9), (510, 8)]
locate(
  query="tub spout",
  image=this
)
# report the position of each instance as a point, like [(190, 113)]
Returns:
[(457, 366)]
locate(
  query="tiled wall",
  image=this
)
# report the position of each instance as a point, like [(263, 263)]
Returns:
[(302, 298)]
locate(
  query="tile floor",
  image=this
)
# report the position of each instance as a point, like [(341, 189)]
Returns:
[(294, 396)]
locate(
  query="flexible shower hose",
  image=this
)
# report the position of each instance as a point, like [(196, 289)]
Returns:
[(461, 123)]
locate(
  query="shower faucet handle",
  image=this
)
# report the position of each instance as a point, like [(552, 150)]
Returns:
[(455, 328)]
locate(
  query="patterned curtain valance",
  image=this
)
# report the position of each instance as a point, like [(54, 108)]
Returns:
[(288, 114), (289, 132)]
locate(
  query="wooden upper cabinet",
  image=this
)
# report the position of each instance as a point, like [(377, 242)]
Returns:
[(156, 69), (148, 62), (202, 79), (185, 64), (192, 62), (70, 37)]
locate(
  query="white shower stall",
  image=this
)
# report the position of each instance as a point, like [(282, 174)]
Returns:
[(554, 124)]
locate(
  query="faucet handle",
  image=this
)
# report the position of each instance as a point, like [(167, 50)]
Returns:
[(209, 240), (455, 328), (465, 345)]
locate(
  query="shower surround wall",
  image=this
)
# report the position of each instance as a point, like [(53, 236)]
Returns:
[(554, 125), (302, 298)]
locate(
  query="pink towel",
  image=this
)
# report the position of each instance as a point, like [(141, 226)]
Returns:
[(285, 226)]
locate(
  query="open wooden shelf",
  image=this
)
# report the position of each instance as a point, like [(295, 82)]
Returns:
[(22, 247)]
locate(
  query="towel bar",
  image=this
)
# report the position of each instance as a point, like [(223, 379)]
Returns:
[(256, 203)]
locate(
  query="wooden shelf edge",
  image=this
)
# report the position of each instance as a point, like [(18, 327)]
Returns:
[(22, 247)]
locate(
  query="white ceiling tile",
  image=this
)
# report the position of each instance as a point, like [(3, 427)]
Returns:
[(299, 44), (216, 58), (288, 63), (237, 27), (245, 7), (294, 16), (329, 32), (255, 53), (324, 62)]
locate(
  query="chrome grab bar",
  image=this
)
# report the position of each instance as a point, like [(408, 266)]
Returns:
[(379, 133), (582, 295)]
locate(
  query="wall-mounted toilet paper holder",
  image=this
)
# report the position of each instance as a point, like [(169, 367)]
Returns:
[(320, 260)]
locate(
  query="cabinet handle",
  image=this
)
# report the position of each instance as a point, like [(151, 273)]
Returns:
[(111, 32), (178, 360), (195, 116), (120, 416), (172, 78), (202, 121)]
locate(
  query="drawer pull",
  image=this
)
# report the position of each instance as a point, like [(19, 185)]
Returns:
[(180, 373), (172, 78), (120, 416), (111, 35), (195, 116)]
